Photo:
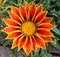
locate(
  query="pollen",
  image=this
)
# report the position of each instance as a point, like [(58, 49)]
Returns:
[(28, 28)]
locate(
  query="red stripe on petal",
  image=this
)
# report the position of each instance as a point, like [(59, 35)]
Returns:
[(39, 9), (15, 10), (10, 22), (9, 29), (32, 10), (47, 39), (47, 20), (33, 43), (15, 17), (22, 11), (27, 47), (40, 42), (27, 9), (46, 26), (21, 42), (40, 17), (13, 35), (15, 42), (27, 6), (44, 32)]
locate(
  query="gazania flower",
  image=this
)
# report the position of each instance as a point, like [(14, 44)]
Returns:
[(28, 27)]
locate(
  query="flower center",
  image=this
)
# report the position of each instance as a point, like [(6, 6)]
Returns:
[(28, 28)]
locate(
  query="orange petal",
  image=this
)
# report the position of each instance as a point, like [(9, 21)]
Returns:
[(27, 47), (22, 11), (31, 12), (46, 26), (21, 42), (39, 9), (1, 1), (10, 22), (47, 39), (40, 17), (13, 35), (14, 17), (9, 29), (15, 42), (47, 20), (27, 6), (40, 42), (15, 10), (44, 32), (33, 43)]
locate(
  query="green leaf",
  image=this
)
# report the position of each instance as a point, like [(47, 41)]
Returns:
[(34, 54), (14, 3), (19, 1), (14, 52), (6, 42), (56, 44), (24, 2), (3, 3), (56, 31), (45, 53)]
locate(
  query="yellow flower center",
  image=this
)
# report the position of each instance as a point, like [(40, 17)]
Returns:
[(28, 28)]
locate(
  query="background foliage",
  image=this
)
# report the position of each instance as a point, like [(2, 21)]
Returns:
[(53, 7)]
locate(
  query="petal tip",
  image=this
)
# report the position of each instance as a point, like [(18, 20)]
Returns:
[(46, 12), (12, 47), (52, 41), (33, 4), (1, 30), (54, 27), (41, 5), (45, 48), (52, 18), (9, 13), (18, 49), (27, 2), (20, 5), (11, 7), (6, 38), (3, 19)]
